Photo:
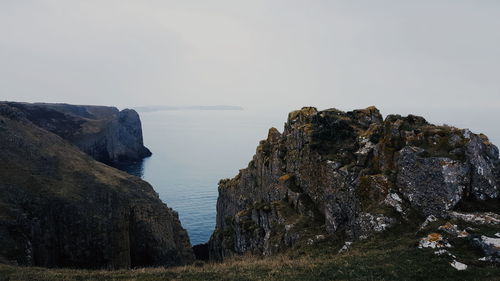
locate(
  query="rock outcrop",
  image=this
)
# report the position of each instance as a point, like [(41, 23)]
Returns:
[(105, 133), (350, 174), (61, 208)]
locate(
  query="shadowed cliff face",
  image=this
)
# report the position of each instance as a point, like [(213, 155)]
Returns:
[(350, 174), (61, 208), (105, 133)]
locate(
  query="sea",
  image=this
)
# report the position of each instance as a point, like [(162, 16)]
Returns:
[(194, 149)]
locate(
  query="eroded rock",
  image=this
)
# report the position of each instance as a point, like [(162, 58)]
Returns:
[(477, 218), (428, 220), (393, 200), (347, 246), (369, 223), (105, 133), (433, 240), (431, 185), (490, 247), (453, 230), (458, 265), (444, 252), (350, 174)]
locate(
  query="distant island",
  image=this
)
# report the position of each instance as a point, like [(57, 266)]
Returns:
[(193, 107)]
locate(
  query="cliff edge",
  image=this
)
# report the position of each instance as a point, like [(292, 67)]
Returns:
[(350, 175), (61, 208), (105, 133)]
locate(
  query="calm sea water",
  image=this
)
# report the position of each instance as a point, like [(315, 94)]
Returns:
[(194, 149)]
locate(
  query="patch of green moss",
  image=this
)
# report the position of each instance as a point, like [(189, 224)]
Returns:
[(371, 191), (284, 209), (228, 235), (248, 225), (262, 206), (302, 114), (334, 137), (311, 208), (373, 133)]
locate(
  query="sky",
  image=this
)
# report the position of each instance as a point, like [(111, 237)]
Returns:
[(402, 56)]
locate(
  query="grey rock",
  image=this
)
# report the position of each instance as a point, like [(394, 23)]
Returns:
[(105, 133), (429, 219), (349, 175), (431, 185), (369, 223), (476, 218), (489, 246), (482, 157), (393, 200), (458, 265), (347, 246), (453, 229)]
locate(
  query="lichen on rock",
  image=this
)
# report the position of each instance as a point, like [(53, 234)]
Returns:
[(350, 174), (433, 240), (490, 247)]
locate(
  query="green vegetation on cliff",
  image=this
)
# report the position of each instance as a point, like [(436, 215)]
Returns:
[(393, 255), (350, 175), (336, 196), (61, 208)]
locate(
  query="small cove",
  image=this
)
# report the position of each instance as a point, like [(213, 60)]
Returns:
[(194, 149)]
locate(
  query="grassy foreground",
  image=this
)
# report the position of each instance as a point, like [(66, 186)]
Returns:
[(392, 255)]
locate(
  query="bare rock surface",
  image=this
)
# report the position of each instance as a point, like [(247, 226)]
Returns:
[(350, 174), (105, 133)]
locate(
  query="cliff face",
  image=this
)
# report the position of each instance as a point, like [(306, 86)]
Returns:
[(350, 174), (60, 208), (105, 133)]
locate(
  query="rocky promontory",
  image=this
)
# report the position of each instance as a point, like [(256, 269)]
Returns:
[(105, 133), (350, 175), (61, 208)]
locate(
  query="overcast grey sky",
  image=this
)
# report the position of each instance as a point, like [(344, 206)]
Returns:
[(286, 54)]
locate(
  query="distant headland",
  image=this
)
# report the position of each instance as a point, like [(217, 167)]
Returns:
[(193, 107)]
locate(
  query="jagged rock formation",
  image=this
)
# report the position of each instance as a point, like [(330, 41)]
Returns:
[(105, 133), (61, 208), (350, 174)]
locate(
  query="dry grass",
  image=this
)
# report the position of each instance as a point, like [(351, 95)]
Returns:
[(240, 268), (389, 256)]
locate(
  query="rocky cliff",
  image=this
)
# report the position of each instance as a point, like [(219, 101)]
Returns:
[(351, 174), (105, 133), (61, 208)]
